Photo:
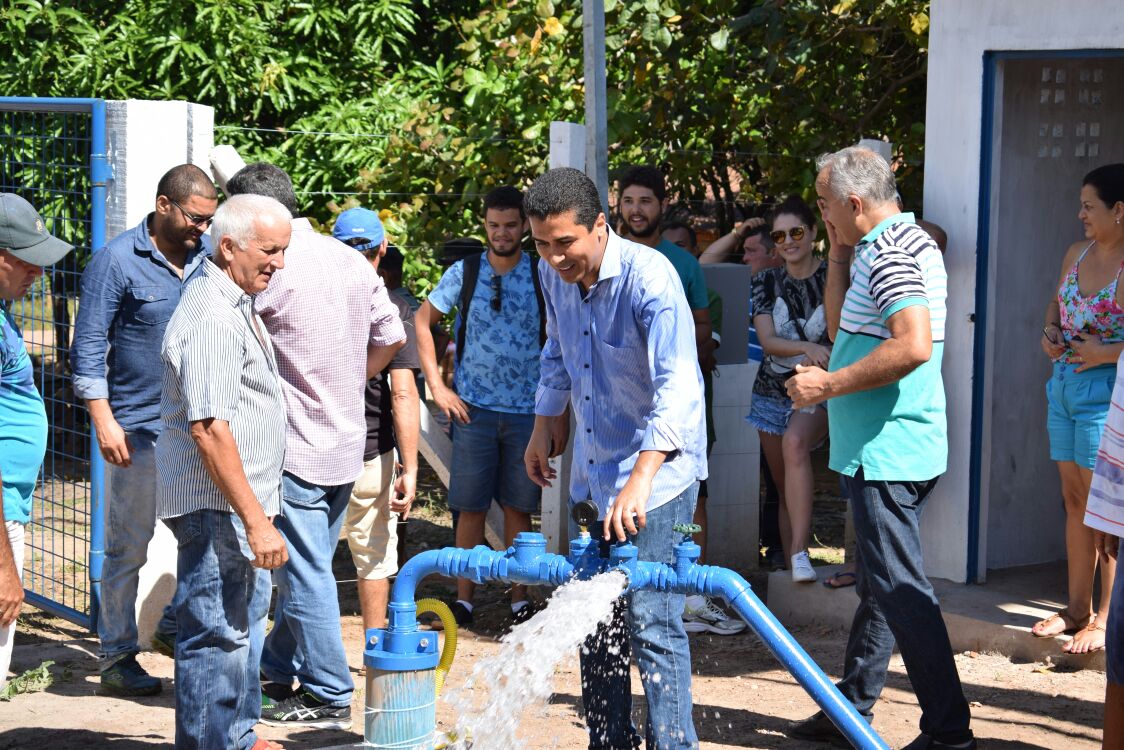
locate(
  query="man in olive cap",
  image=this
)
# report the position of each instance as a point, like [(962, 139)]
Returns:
[(25, 248)]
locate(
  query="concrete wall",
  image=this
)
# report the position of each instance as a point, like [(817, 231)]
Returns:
[(961, 31), (146, 139), (734, 503)]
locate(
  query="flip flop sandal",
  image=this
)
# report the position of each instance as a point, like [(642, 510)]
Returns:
[(1061, 615), (840, 575), (263, 744)]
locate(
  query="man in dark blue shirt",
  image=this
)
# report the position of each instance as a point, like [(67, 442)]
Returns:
[(129, 290)]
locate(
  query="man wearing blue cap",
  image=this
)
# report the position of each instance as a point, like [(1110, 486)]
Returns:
[(25, 248), (378, 499)]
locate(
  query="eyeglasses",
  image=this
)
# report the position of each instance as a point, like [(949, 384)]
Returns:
[(198, 221), (796, 233), (497, 293)]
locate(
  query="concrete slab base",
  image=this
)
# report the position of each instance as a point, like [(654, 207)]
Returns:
[(993, 617)]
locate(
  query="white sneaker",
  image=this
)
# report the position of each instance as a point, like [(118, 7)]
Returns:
[(802, 570), (706, 616)]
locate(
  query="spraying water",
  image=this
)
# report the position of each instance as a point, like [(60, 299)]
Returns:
[(519, 677)]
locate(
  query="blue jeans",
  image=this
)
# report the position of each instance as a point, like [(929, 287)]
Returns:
[(488, 463), (305, 642), (897, 603), (221, 608), (130, 499), (654, 630)]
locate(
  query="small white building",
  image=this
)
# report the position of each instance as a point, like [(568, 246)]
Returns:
[(1024, 98)]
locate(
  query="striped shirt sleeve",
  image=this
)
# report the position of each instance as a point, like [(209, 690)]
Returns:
[(895, 276), (209, 370)]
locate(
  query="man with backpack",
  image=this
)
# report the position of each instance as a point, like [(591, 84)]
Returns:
[(499, 336)]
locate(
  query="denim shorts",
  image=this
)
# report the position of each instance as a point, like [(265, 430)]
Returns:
[(1076, 408), (488, 463), (769, 413)]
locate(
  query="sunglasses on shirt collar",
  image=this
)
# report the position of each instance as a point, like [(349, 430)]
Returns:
[(497, 293)]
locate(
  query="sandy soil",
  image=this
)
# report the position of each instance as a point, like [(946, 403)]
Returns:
[(742, 698)]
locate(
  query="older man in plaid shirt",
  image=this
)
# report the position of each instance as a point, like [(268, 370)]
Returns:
[(332, 325)]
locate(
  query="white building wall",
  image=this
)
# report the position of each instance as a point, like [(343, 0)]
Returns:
[(961, 31)]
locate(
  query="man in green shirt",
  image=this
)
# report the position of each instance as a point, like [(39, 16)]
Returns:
[(643, 200), (885, 305)]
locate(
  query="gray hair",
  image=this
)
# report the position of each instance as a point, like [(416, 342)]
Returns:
[(236, 217), (859, 171)]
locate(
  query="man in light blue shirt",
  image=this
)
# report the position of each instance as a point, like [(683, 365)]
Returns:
[(621, 349)]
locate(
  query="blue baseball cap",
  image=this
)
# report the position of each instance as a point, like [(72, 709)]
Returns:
[(360, 228)]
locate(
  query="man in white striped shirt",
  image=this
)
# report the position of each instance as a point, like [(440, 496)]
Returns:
[(219, 460), (333, 324), (886, 409)]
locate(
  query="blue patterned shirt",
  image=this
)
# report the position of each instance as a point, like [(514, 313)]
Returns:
[(500, 365), (624, 355)]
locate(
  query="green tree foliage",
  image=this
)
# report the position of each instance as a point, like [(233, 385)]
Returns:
[(433, 102)]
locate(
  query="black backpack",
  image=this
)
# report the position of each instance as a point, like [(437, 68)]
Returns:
[(468, 287)]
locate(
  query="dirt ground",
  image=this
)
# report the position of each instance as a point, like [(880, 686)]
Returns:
[(742, 698)]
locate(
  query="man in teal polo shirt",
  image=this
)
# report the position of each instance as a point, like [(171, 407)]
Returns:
[(25, 247), (886, 408)]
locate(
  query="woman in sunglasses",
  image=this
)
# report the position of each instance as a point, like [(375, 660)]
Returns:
[(788, 314)]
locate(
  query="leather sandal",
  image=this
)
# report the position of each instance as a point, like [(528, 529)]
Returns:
[(1092, 628), (1047, 628)]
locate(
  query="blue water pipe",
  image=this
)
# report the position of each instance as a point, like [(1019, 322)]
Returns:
[(400, 698)]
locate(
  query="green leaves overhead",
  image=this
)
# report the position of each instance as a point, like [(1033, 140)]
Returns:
[(434, 102)]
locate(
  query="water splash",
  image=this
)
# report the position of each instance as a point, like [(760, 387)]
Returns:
[(519, 677)]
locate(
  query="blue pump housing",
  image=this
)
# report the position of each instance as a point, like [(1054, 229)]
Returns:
[(400, 647)]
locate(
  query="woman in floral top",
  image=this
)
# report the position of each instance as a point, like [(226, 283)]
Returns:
[(1084, 335)]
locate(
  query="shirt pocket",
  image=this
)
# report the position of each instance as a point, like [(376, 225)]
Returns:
[(626, 365), (151, 305)]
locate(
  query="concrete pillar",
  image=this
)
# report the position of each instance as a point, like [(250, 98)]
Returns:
[(567, 149), (146, 139), (733, 506)]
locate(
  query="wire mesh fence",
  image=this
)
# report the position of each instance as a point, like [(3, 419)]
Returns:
[(45, 158)]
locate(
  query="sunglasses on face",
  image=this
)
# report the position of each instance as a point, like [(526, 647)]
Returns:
[(202, 222), (497, 293), (796, 233)]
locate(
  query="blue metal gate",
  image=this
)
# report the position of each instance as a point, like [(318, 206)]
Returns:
[(53, 154)]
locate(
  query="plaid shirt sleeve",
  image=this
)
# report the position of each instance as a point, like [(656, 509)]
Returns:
[(386, 324)]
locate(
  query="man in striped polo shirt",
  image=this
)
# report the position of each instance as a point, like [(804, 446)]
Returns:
[(886, 407), (219, 458)]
